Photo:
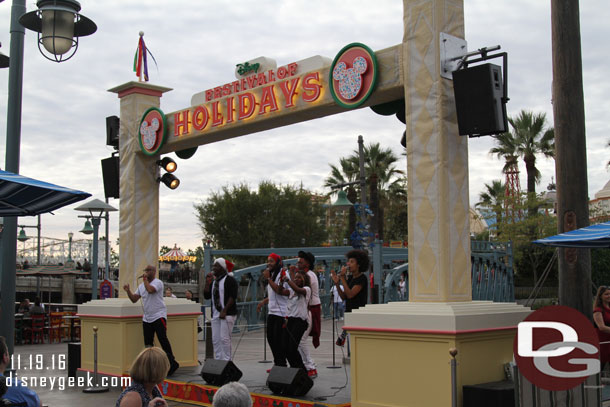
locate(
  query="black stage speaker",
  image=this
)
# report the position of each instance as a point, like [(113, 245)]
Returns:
[(479, 92), (113, 124), (497, 394), (289, 381), (110, 172), (220, 372)]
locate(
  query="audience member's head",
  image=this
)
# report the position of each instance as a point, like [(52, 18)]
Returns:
[(188, 294), (169, 291), (4, 356), (150, 366), (232, 394)]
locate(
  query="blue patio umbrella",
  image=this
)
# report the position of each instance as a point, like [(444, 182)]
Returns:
[(23, 196), (585, 237)]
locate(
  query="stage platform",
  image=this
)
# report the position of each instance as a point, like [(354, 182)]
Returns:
[(331, 387)]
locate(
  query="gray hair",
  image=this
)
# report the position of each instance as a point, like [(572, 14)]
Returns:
[(232, 394)]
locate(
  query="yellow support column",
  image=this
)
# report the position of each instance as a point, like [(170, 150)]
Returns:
[(139, 190), (401, 351), (119, 321)]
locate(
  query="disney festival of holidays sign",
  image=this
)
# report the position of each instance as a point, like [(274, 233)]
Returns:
[(262, 92), (258, 94)]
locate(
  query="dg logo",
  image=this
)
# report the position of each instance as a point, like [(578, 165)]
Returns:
[(353, 75), (556, 348)]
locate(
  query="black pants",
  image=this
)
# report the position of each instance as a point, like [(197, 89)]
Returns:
[(296, 327), (275, 337), (160, 328)]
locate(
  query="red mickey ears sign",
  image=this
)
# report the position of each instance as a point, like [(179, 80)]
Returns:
[(153, 131), (353, 75)]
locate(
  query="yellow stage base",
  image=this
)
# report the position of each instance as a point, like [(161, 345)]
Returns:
[(120, 338), (400, 351)]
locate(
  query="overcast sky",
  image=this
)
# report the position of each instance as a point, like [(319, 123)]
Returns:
[(196, 45)]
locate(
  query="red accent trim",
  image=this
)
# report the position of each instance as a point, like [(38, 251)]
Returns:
[(426, 331), (140, 91), (132, 316)]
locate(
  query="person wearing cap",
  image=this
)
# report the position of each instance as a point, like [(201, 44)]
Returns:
[(221, 288), (278, 308), (154, 317), (305, 264)]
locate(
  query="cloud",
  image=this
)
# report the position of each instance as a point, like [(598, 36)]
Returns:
[(196, 46)]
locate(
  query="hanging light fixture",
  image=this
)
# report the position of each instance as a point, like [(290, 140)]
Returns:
[(87, 229), (342, 202), (22, 236), (58, 25)]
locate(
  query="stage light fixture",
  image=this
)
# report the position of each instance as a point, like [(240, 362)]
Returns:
[(170, 180), (167, 164)]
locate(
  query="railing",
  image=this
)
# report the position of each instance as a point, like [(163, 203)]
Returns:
[(492, 271)]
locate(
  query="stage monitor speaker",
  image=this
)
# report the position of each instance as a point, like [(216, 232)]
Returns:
[(112, 131), (289, 381), (479, 100), (497, 394), (220, 372), (110, 172)]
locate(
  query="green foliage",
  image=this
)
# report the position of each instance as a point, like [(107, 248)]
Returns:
[(530, 259), (492, 200), (386, 189), (600, 266), (528, 138), (198, 252), (163, 250), (282, 216)]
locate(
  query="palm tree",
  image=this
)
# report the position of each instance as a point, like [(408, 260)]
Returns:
[(492, 198), (345, 173), (528, 138), (381, 174)]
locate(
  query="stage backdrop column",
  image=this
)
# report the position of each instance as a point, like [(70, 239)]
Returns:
[(407, 343), (139, 190), (119, 321)]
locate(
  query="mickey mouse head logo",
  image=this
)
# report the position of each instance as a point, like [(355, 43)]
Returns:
[(153, 130), (350, 79), (149, 133), (353, 75)]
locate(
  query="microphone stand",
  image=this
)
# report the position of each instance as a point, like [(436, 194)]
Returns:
[(334, 327)]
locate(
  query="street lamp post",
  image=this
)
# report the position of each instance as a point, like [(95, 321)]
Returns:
[(13, 132), (342, 201), (22, 237), (70, 236), (97, 209)]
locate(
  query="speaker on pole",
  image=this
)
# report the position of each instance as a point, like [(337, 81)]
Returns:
[(110, 172), (289, 381), (480, 101), (220, 372), (113, 124)]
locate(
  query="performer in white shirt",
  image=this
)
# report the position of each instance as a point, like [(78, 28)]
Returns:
[(154, 318)]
